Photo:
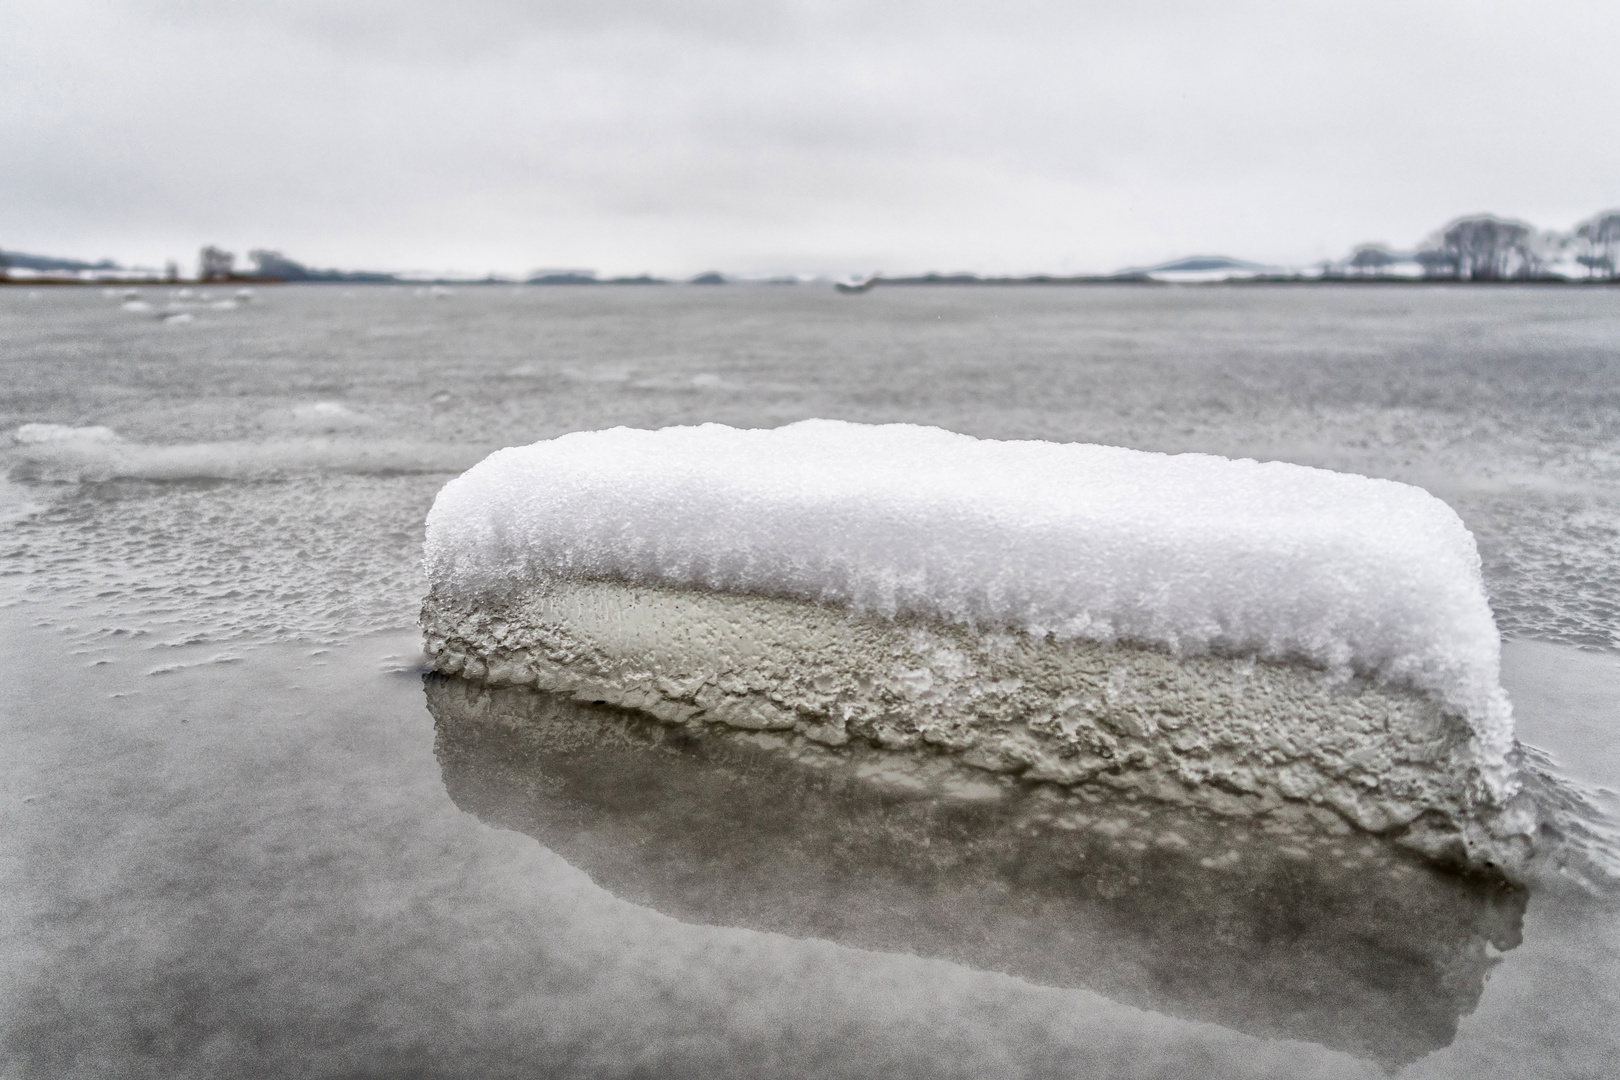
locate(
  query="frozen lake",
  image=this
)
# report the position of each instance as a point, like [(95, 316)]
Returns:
[(242, 836)]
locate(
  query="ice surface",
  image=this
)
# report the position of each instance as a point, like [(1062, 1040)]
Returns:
[(328, 416), (38, 434), (1152, 905), (56, 452), (1192, 553)]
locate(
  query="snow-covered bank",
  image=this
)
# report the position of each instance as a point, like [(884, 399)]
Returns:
[(1242, 636)]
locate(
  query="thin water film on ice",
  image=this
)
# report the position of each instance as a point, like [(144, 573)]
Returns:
[(240, 839)]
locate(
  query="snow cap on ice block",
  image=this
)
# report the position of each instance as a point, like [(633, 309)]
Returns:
[(1064, 612)]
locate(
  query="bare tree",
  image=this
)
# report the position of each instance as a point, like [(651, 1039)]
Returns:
[(1436, 262), (1483, 248), (1599, 240), (214, 264), (1486, 246), (1371, 260)]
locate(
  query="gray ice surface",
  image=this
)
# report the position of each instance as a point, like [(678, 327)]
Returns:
[(227, 846)]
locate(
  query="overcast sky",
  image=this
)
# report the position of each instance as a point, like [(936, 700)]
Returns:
[(816, 137)]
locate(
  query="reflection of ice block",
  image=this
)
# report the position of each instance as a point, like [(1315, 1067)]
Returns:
[(1259, 640), (1326, 935)]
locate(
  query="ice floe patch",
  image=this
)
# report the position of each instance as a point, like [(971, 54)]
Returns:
[(1378, 688), (1192, 553), (62, 454), (40, 434), (328, 416)]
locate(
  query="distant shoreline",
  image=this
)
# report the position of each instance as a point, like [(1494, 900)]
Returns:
[(1258, 279), (950, 280), (150, 283)]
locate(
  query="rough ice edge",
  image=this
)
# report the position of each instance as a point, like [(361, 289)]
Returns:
[(1241, 739), (1581, 835), (1192, 553)]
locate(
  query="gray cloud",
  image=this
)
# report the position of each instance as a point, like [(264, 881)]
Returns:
[(805, 136)]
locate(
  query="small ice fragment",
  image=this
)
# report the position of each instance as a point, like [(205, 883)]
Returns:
[(36, 434)]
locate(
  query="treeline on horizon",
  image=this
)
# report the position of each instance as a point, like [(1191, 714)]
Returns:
[(1479, 247), (1484, 247)]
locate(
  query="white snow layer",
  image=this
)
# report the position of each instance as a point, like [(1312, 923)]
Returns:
[(1190, 551)]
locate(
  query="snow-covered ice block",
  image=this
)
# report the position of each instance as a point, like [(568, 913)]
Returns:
[(1234, 635)]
